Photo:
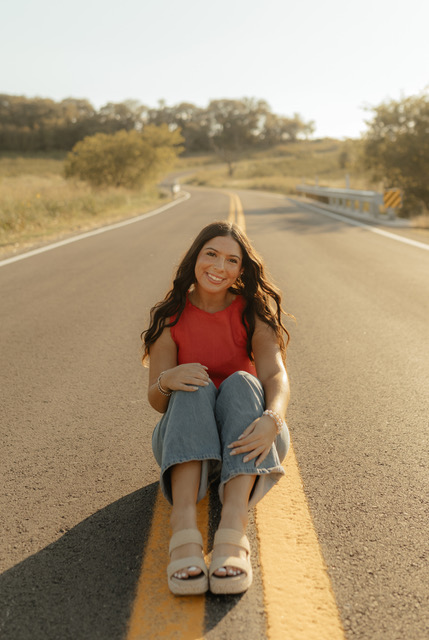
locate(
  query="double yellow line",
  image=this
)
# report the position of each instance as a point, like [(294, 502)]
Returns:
[(236, 213), (298, 597)]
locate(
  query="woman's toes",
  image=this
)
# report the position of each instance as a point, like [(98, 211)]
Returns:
[(223, 572), (190, 572)]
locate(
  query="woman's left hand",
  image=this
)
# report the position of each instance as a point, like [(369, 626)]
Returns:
[(256, 440)]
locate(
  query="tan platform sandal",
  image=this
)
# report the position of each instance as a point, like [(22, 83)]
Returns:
[(193, 585), (231, 584)]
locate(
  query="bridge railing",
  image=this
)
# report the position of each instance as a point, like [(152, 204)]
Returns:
[(351, 201)]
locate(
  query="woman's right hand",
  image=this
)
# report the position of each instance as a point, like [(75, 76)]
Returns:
[(185, 377)]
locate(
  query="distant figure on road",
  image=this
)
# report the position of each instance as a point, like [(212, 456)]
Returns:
[(175, 189), (216, 347)]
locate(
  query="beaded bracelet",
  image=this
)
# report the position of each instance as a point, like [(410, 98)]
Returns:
[(277, 419), (160, 389)]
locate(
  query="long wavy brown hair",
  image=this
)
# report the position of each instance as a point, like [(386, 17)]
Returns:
[(254, 285)]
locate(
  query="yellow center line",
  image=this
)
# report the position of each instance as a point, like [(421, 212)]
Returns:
[(157, 613), (241, 222), (300, 603), (236, 213), (231, 215)]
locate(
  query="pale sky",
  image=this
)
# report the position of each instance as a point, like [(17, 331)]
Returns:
[(325, 60)]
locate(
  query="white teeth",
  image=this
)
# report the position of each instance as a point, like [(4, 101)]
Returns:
[(214, 278)]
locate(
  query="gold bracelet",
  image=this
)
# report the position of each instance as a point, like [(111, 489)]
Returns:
[(277, 419), (160, 389)]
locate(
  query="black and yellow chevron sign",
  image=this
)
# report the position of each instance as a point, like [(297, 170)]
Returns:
[(392, 198)]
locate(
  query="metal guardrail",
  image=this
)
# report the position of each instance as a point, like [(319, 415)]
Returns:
[(351, 201)]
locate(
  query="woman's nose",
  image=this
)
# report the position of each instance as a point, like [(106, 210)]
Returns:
[(220, 263)]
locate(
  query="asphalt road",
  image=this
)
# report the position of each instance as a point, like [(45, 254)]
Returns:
[(78, 478)]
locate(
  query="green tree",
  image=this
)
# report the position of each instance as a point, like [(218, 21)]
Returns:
[(277, 129), (40, 124), (162, 146), (114, 116), (234, 127), (191, 120), (124, 159), (396, 148)]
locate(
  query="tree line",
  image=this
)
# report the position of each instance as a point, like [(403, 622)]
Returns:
[(129, 143), (42, 124)]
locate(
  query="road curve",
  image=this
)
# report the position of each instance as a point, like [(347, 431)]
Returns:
[(79, 482)]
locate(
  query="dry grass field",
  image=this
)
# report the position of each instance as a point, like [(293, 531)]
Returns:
[(282, 168), (37, 203)]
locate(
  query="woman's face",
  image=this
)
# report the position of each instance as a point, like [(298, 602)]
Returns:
[(219, 264)]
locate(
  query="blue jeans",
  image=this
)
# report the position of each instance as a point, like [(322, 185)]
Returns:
[(199, 425)]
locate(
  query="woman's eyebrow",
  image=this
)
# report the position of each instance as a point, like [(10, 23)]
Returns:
[(231, 255)]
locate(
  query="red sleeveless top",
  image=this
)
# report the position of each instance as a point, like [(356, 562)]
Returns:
[(216, 340)]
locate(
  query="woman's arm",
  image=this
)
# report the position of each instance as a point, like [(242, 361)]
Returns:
[(184, 377), (270, 368), (257, 438)]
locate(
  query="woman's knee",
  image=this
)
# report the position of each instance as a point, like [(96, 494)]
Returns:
[(188, 407), (239, 375), (240, 380), (202, 394), (240, 400)]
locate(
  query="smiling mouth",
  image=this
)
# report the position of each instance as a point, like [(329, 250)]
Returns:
[(214, 279)]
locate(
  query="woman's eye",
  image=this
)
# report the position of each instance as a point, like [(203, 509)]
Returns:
[(233, 260), (211, 253)]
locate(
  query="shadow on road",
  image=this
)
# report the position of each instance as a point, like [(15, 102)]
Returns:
[(290, 218), (81, 586)]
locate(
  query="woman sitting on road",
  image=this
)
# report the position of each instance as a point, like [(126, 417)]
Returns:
[(217, 373)]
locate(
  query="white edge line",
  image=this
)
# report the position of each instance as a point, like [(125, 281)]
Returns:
[(94, 232), (356, 223)]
